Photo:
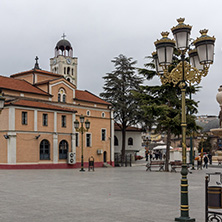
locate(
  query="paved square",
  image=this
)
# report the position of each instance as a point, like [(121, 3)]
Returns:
[(127, 194)]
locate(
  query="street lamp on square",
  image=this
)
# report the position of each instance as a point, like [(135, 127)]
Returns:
[(81, 129), (180, 75)]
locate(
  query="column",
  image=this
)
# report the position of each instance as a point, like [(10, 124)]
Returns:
[(55, 148)]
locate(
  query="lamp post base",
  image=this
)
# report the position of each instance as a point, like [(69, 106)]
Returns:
[(185, 219), (82, 170)]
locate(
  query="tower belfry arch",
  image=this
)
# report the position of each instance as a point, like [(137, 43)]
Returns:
[(64, 62)]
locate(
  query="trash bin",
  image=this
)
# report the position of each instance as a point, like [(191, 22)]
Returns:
[(91, 163), (214, 197)]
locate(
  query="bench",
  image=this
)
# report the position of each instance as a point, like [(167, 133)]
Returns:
[(174, 165), (159, 164), (177, 164), (219, 159)]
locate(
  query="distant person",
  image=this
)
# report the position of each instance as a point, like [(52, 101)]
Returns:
[(151, 156), (156, 155), (146, 155), (199, 163), (160, 155), (205, 161), (210, 158)]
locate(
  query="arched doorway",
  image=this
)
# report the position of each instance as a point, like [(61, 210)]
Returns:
[(44, 150), (63, 149), (104, 156)]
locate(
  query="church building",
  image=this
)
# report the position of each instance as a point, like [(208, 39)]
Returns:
[(37, 121)]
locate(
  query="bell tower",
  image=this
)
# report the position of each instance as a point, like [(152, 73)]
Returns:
[(64, 63)]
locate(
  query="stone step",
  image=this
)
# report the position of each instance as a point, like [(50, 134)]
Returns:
[(106, 165)]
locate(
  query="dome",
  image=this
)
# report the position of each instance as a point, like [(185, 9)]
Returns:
[(63, 45)]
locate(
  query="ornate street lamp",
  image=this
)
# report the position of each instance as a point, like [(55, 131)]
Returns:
[(81, 129), (180, 75), (159, 68), (164, 48)]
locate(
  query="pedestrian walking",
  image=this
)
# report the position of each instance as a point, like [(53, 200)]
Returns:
[(205, 161), (147, 155), (199, 163), (210, 158), (151, 156)]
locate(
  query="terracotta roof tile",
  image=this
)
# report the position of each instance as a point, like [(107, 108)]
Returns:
[(89, 97), (19, 85), (37, 104)]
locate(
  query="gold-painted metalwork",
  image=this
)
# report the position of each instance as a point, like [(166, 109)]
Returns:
[(191, 75), (181, 24), (164, 38), (204, 36)]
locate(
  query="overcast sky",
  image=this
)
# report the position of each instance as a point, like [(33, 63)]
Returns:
[(100, 30)]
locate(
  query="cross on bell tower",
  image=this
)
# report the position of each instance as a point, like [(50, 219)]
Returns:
[(64, 36)]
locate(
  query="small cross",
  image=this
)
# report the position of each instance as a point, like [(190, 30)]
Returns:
[(63, 36), (36, 63)]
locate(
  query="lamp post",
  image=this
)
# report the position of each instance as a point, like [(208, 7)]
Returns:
[(179, 76), (81, 129)]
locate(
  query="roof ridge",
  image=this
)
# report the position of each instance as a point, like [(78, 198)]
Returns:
[(37, 71)]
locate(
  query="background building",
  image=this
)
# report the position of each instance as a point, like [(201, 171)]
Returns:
[(37, 129)]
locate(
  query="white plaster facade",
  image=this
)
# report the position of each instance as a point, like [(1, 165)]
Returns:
[(137, 141)]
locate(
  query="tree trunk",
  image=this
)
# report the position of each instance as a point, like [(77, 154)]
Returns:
[(168, 150), (123, 144)]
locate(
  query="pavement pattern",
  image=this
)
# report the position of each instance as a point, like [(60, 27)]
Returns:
[(121, 194)]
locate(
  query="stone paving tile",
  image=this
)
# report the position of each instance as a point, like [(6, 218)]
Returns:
[(123, 194)]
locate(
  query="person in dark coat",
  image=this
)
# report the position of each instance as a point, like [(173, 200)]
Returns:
[(210, 158), (147, 155), (205, 161), (151, 156)]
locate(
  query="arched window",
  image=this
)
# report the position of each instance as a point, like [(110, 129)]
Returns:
[(72, 72), (64, 70), (44, 150), (63, 149), (103, 115), (68, 70), (130, 141), (62, 95), (116, 142), (88, 113), (64, 98)]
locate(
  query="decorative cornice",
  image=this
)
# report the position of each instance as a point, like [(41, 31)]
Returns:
[(165, 39), (204, 37)]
